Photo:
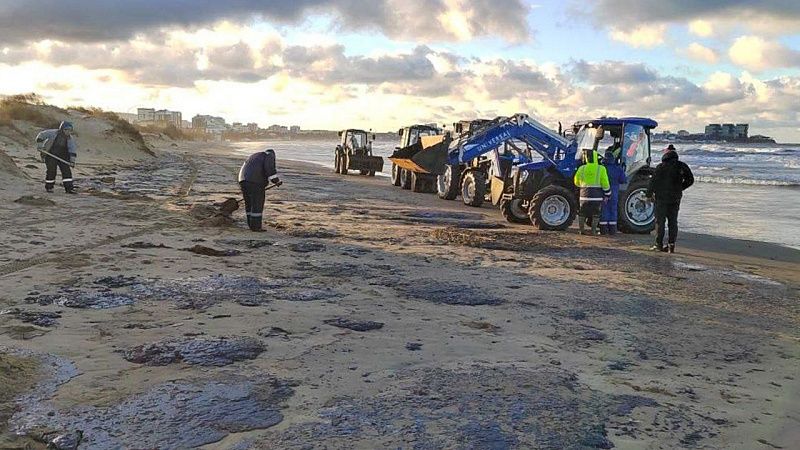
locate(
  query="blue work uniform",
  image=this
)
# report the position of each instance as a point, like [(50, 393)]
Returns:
[(616, 177)]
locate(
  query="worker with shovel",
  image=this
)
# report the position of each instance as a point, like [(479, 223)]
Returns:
[(59, 151), (254, 176)]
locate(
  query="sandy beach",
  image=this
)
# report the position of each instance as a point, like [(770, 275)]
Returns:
[(369, 317)]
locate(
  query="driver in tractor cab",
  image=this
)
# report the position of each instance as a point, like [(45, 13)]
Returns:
[(592, 179), (615, 149)]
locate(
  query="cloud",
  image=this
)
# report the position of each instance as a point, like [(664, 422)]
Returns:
[(757, 54), (119, 20), (700, 53), (644, 36), (773, 17), (613, 72), (702, 28)]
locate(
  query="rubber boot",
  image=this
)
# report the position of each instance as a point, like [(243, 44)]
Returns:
[(581, 224), (612, 230), (672, 248), (594, 226), (604, 230)]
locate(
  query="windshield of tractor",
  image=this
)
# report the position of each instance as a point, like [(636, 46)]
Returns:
[(586, 138), (635, 145), (356, 140), (415, 134)]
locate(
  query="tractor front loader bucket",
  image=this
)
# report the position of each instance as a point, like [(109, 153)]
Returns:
[(423, 157), (365, 162)]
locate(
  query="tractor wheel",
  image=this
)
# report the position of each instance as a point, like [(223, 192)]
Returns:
[(396, 175), (345, 163), (553, 208), (405, 179), (473, 188), (635, 214), (418, 183), (336, 162), (515, 211), (447, 183)]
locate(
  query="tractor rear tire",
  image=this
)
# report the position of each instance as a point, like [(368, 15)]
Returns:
[(336, 163), (405, 179), (345, 163), (553, 208), (473, 188), (514, 212), (447, 183), (418, 183), (635, 215), (396, 175)]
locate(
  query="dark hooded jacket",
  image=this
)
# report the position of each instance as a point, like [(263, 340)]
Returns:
[(670, 179), (259, 168)]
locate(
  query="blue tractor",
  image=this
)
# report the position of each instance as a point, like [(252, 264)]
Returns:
[(540, 190)]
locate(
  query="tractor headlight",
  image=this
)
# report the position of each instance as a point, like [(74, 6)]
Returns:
[(523, 175)]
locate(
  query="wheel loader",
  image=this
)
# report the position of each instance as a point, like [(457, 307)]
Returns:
[(355, 153)]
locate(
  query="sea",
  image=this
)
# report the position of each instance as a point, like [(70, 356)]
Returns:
[(747, 192)]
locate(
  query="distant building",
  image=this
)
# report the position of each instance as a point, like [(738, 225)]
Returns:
[(683, 133), (145, 115), (209, 124), (713, 131), (294, 129), (278, 129), (742, 130), (160, 118)]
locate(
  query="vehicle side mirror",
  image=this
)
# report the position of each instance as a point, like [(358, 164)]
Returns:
[(340, 134), (400, 132), (373, 137)]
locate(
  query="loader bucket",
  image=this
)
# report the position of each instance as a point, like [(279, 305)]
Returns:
[(365, 162), (423, 157)]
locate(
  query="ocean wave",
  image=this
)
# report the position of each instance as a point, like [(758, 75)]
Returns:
[(745, 181), (734, 153)]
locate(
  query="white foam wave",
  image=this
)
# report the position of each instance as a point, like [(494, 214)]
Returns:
[(744, 181)]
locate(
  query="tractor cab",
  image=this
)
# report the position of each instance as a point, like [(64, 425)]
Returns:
[(354, 152), (413, 134), (629, 139), (356, 142)]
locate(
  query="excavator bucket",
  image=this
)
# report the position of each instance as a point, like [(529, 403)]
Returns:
[(429, 155)]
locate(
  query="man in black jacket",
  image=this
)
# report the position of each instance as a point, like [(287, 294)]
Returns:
[(254, 176), (671, 178)]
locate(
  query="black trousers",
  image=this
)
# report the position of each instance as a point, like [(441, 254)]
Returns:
[(50, 177), (254, 196), (667, 214)]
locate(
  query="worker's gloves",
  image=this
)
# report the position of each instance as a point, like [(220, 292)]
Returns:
[(72, 160)]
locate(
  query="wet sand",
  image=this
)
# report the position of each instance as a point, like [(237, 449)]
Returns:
[(366, 316)]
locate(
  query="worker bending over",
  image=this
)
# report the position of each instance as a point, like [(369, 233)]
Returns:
[(59, 151), (256, 173), (616, 177), (592, 179)]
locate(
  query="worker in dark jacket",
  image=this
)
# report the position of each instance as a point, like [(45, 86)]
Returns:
[(616, 177), (254, 176), (670, 179), (61, 144)]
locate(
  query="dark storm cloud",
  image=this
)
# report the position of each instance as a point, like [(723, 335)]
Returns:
[(612, 72), (633, 11), (109, 20), (329, 65)]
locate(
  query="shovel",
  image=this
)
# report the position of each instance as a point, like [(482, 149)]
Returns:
[(265, 189), (57, 158)]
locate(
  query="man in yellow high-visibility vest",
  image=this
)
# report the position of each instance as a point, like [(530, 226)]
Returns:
[(592, 179)]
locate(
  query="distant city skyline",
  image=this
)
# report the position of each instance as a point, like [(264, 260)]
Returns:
[(386, 63)]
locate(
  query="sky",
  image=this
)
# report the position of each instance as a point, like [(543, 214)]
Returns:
[(384, 64)]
